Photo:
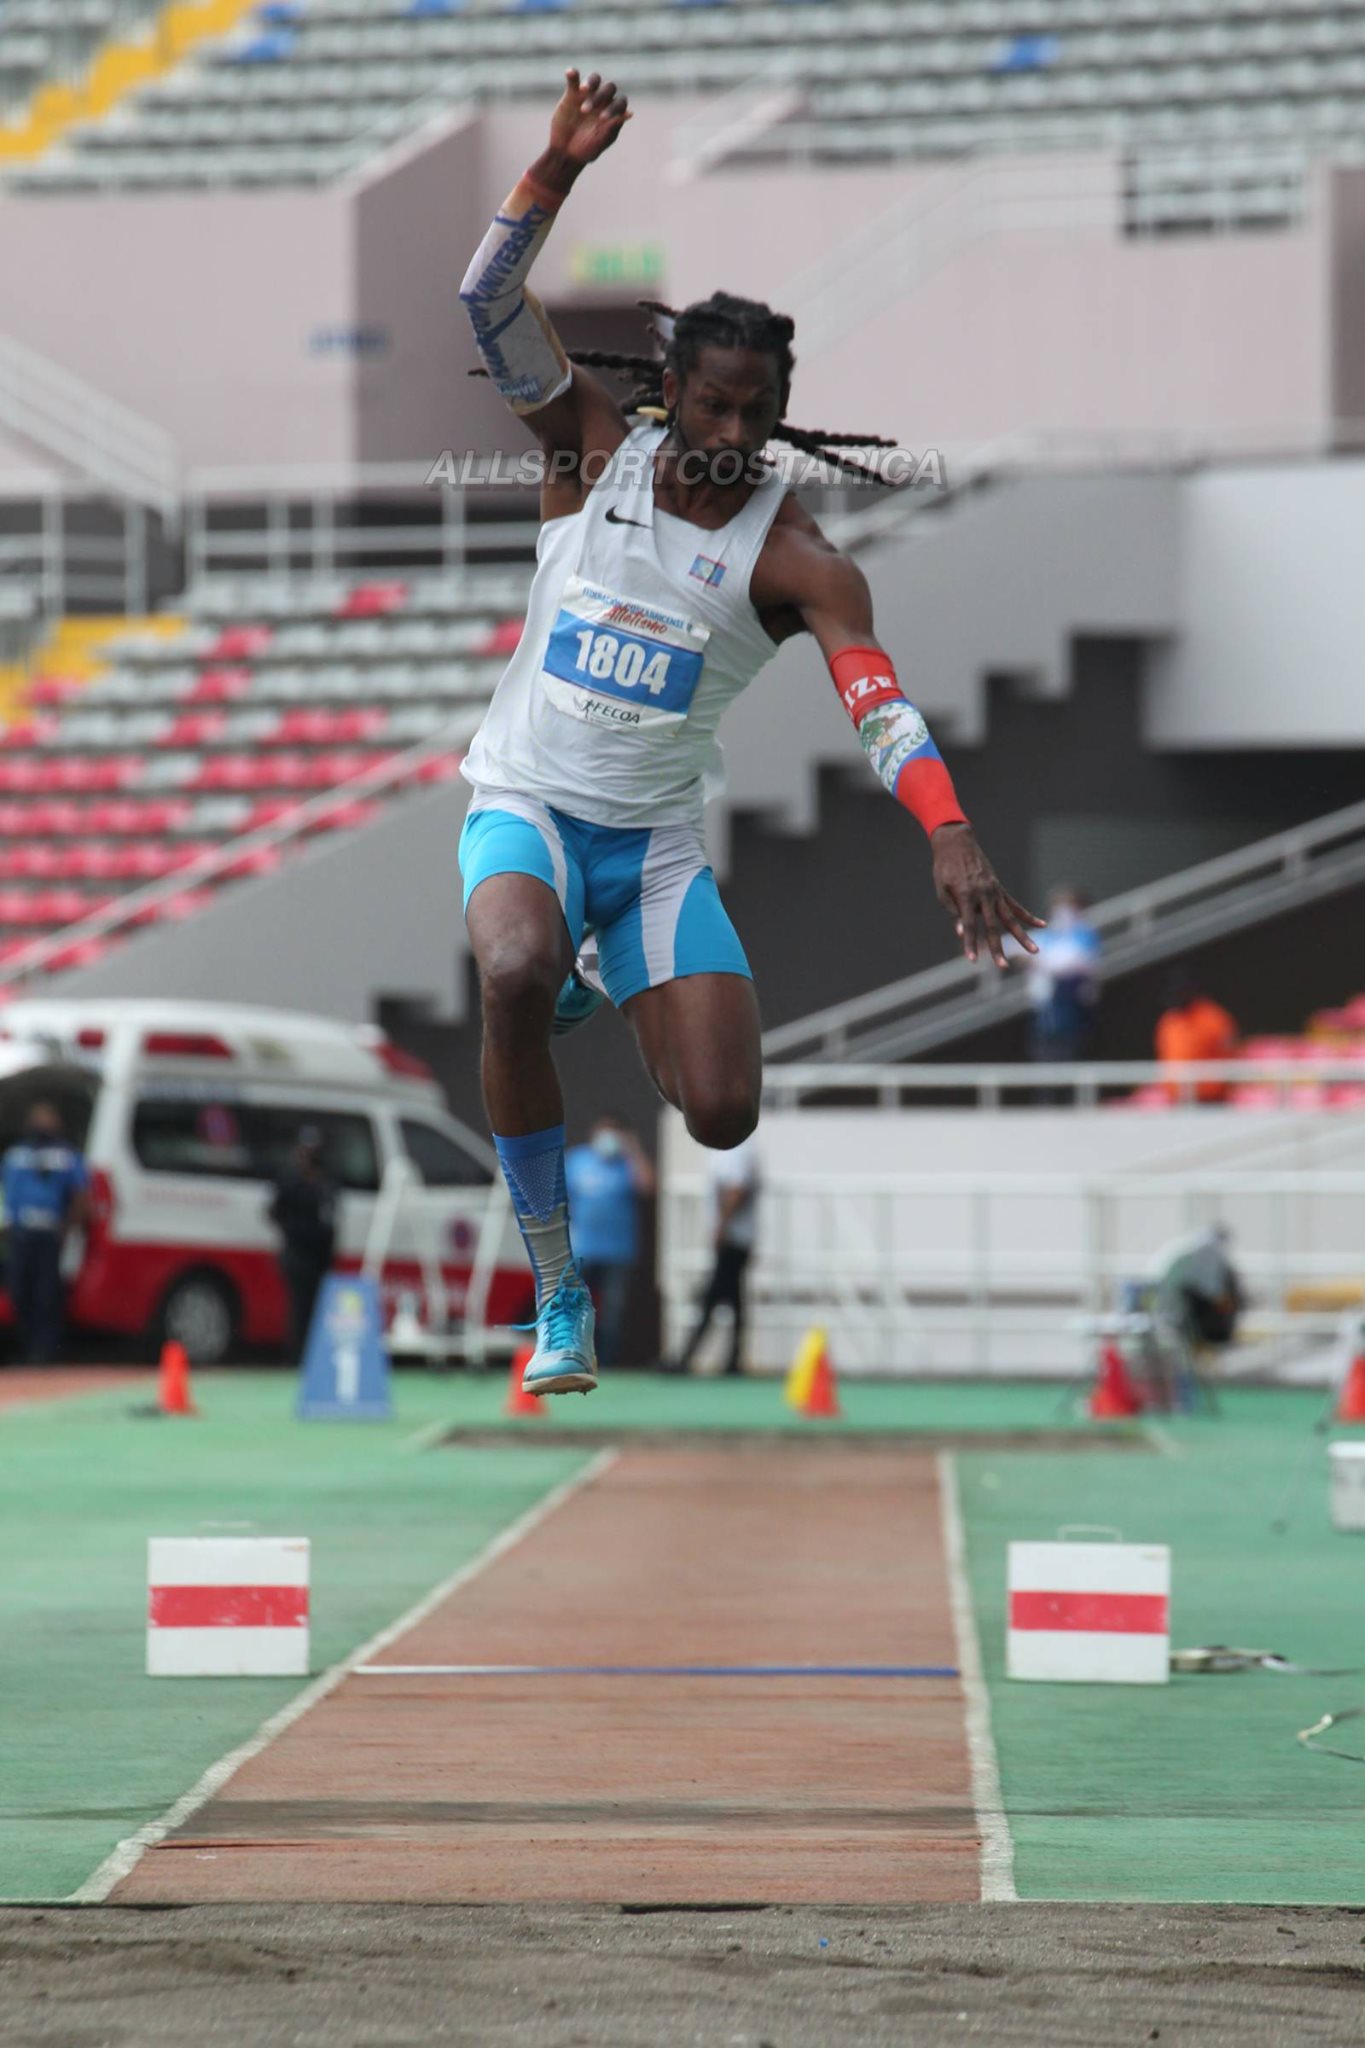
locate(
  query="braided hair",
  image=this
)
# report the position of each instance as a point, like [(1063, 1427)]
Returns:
[(725, 321)]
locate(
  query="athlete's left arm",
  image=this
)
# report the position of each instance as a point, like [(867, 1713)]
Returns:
[(801, 569)]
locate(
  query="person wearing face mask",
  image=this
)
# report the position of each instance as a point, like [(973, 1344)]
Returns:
[(606, 1180), (46, 1198)]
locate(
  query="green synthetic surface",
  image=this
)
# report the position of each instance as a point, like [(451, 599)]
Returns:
[(646, 1401), (1196, 1790), (90, 1748), (1192, 1791)]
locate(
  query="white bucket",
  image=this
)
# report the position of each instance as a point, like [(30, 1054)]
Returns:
[(1347, 1485)]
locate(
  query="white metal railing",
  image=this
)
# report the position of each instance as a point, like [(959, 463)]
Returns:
[(106, 443), (1081, 1084), (882, 263), (1138, 927), (139, 906), (990, 1273), (51, 567), (259, 507)]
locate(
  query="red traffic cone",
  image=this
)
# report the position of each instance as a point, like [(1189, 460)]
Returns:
[(1114, 1395), (173, 1387), (518, 1401), (822, 1397), (1351, 1405)]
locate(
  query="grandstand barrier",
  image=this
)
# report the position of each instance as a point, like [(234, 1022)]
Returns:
[(931, 1274)]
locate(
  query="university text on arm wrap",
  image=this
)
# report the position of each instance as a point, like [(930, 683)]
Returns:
[(895, 737), (520, 349)]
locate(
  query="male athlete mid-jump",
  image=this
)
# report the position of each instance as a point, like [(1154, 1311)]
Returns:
[(672, 563)]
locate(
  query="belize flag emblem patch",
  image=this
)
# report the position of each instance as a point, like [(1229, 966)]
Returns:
[(707, 571)]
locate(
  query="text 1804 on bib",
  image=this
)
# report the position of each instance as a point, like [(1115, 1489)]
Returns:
[(616, 662)]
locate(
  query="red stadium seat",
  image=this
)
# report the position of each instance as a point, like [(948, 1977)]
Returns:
[(504, 638), (260, 860), (239, 643), (194, 729), (328, 728), (29, 732), (221, 686), (172, 909), (269, 812), (440, 768), (82, 953), (53, 689), (346, 817), (372, 601)]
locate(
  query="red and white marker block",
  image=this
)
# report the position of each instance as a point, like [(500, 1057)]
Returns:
[(1089, 1613), (227, 1607)]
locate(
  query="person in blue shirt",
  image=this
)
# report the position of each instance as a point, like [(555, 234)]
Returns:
[(606, 1180), (1064, 981), (45, 1191)]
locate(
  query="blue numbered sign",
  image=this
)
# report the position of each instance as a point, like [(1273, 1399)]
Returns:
[(345, 1366)]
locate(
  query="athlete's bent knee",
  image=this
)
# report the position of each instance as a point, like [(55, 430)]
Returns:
[(723, 1120), (520, 983)]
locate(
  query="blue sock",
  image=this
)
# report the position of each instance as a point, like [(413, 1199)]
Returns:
[(534, 1169)]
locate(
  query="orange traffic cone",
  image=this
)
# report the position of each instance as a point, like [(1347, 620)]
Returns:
[(1114, 1395), (173, 1387), (1351, 1405), (822, 1396), (519, 1402)]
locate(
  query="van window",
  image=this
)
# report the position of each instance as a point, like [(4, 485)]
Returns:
[(440, 1162), (206, 1135), (173, 1134)]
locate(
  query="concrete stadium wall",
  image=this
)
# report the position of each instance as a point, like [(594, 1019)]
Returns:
[(1272, 611)]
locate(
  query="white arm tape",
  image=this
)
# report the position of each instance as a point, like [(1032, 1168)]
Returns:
[(521, 351)]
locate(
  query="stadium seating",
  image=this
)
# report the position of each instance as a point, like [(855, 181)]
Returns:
[(49, 42), (271, 695), (311, 86)]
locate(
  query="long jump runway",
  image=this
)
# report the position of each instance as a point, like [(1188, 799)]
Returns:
[(727, 1780)]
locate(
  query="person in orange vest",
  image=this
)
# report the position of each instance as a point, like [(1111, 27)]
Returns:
[(1194, 1027)]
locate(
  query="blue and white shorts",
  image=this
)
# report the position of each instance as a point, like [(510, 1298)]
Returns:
[(648, 894)]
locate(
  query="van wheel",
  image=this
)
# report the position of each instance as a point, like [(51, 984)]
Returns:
[(201, 1312)]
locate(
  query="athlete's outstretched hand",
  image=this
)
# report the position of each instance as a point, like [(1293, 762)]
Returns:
[(971, 893), (589, 117)]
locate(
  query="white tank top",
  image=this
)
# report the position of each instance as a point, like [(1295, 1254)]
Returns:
[(639, 631)]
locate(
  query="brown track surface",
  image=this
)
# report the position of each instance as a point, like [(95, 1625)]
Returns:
[(22, 1384), (643, 1790)]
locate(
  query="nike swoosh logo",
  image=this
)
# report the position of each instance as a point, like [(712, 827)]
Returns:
[(614, 519)]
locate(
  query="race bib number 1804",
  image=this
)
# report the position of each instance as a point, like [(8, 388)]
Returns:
[(614, 661)]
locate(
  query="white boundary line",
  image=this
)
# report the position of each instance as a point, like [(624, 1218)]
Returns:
[(997, 1844), (1161, 1439), (123, 1859)]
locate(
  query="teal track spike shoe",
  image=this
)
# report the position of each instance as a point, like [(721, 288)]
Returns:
[(576, 1002), (565, 1360)]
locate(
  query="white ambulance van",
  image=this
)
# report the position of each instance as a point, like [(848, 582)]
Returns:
[(185, 1113)]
